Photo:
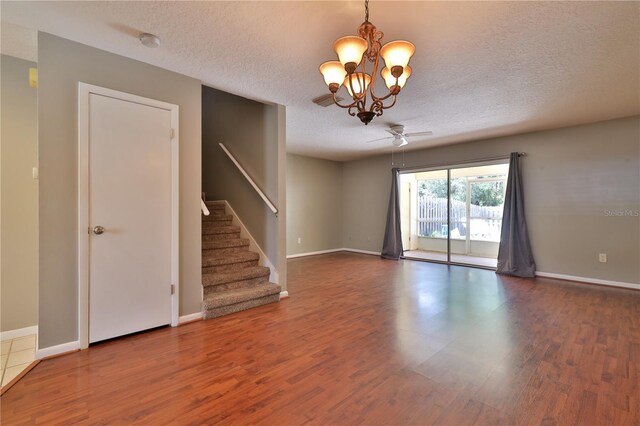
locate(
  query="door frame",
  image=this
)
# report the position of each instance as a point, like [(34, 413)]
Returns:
[(84, 92), (448, 168)]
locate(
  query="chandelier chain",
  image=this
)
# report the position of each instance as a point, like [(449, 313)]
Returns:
[(366, 10)]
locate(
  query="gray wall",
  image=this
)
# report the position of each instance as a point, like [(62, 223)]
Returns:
[(62, 64), (19, 217), (572, 178), (314, 204), (254, 133)]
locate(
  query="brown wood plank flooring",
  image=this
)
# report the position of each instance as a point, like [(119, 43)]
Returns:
[(365, 341)]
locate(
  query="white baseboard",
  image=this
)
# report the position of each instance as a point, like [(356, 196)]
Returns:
[(313, 253), (588, 280), (57, 350), (190, 317), (19, 332), (253, 245), (284, 294)]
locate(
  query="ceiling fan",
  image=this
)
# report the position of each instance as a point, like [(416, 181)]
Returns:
[(399, 137)]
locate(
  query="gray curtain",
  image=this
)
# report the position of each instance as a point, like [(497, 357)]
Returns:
[(392, 244), (514, 254)]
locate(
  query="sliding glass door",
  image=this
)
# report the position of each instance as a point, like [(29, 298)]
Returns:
[(454, 214)]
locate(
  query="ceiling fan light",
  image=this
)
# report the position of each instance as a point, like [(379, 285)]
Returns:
[(356, 79), (397, 53), (350, 49), (400, 141), (333, 73), (390, 80)]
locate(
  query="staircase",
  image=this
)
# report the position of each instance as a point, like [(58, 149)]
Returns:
[(232, 279)]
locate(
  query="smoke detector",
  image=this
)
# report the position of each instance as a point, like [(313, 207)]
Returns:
[(149, 40)]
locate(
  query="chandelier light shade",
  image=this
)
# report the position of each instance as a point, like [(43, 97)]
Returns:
[(357, 69), (391, 81), (355, 83), (397, 53), (333, 73), (350, 50)]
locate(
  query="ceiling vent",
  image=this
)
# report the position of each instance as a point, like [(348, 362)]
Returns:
[(326, 100)]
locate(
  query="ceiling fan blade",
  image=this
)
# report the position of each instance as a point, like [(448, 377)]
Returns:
[(381, 139), (411, 135)]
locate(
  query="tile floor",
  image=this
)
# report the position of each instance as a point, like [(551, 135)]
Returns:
[(17, 354)]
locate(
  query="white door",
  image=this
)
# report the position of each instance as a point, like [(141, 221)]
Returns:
[(129, 217)]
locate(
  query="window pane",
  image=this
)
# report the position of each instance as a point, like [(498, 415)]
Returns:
[(485, 229), (487, 204), (458, 209), (432, 208), (458, 230), (432, 229)]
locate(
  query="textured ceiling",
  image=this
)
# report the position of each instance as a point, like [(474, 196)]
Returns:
[(19, 42), (480, 69)]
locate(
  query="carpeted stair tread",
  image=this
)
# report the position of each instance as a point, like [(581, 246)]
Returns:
[(217, 218), (228, 258), (216, 205), (220, 230), (219, 269), (216, 223), (219, 244), (237, 307), (231, 297), (208, 224), (218, 237), (229, 277), (220, 212)]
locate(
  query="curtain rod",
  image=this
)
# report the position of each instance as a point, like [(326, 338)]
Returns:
[(478, 160)]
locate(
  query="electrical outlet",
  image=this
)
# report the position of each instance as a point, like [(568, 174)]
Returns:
[(299, 240), (34, 173), (602, 257)]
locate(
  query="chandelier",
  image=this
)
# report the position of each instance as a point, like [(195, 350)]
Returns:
[(366, 47)]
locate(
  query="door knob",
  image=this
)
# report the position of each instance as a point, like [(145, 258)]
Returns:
[(98, 230)]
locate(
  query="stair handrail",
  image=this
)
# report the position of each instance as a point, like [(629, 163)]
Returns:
[(253, 184), (203, 207)]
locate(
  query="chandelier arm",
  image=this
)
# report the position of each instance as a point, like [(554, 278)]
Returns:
[(354, 95), (378, 106), (387, 96), (351, 105), (364, 91), (374, 74), (363, 66), (395, 97)]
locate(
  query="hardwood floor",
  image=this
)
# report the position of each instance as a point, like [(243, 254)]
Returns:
[(365, 341)]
